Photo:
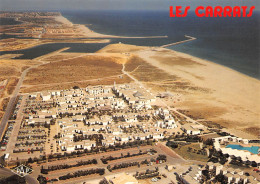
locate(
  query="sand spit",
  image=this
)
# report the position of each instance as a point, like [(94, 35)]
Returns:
[(63, 20), (90, 33), (85, 30)]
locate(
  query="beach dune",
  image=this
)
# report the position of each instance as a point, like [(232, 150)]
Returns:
[(209, 92), (230, 98)]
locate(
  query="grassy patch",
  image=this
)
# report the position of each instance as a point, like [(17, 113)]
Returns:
[(79, 69), (191, 155)]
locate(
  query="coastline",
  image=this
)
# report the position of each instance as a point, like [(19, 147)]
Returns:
[(85, 30), (80, 106), (232, 99), (195, 58), (210, 92), (221, 94), (92, 34)]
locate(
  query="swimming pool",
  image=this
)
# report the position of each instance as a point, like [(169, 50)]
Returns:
[(252, 149)]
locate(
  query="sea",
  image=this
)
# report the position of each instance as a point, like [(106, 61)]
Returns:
[(232, 42)]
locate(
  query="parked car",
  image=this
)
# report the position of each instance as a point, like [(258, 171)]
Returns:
[(154, 179), (164, 175), (257, 170)]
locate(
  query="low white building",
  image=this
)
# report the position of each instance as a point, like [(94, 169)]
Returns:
[(189, 128), (45, 96)]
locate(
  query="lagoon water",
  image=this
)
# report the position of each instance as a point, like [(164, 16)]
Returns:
[(233, 42), (47, 48), (8, 21)]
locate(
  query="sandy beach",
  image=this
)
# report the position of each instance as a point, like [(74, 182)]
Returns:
[(232, 98), (87, 32), (209, 92), (63, 20)]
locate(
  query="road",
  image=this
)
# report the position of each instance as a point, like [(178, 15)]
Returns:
[(15, 93), (12, 139), (132, 77), (11, 104)]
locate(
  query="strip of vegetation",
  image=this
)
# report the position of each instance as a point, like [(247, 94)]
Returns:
[(44, 180), (95, 137), (94, 150), (147, 174), (99, 171), (66, 166), (159, 159), (110, 158), (29, 143), (126, 165), (28, 150)]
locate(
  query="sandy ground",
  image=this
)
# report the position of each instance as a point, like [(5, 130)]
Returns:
[(61, 72), (233, 98), (89, 33), (10, 69), (63, 20), (121, 48), (208, 92)]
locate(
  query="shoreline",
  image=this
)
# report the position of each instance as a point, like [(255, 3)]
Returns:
[(210, 93), (196, 58), (229, 95), (231, 98), (83, 28), (208, 60), (92, 34), (187, 55)]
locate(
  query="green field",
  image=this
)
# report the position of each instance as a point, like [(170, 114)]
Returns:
[(191, 155)]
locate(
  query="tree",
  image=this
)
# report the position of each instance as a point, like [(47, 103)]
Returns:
[(42, 179), (30, 160), (76, 87), (254, 164)]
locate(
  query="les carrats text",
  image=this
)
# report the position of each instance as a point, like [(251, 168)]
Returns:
[(210, 11)]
